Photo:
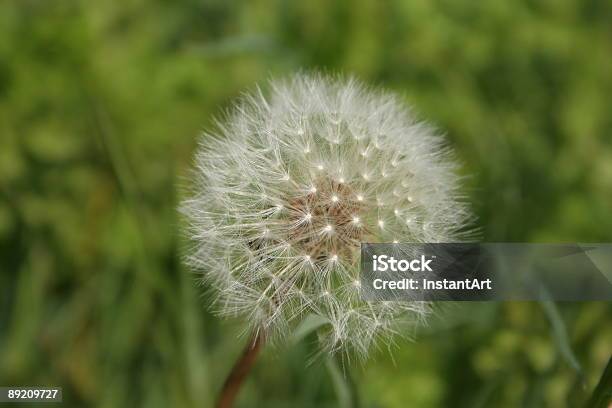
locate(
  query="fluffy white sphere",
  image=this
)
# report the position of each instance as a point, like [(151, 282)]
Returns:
[(290, 184)]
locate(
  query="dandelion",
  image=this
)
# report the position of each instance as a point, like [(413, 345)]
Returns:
[(288, 187)]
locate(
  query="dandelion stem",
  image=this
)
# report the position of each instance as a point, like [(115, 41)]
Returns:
[(240, 371)]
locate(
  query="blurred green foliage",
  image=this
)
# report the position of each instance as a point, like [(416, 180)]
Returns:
[(100, 106)]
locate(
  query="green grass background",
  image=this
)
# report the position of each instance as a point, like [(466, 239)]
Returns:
[(100, 106)]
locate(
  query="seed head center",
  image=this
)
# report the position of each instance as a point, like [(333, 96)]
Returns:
[(333, 228)]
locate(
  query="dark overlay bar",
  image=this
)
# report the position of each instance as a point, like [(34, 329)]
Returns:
[(486, 272)]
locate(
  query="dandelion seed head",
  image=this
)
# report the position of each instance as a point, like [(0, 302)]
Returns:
[(278, 209)]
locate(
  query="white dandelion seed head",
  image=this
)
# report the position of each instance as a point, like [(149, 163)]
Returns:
[(276, 229)]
